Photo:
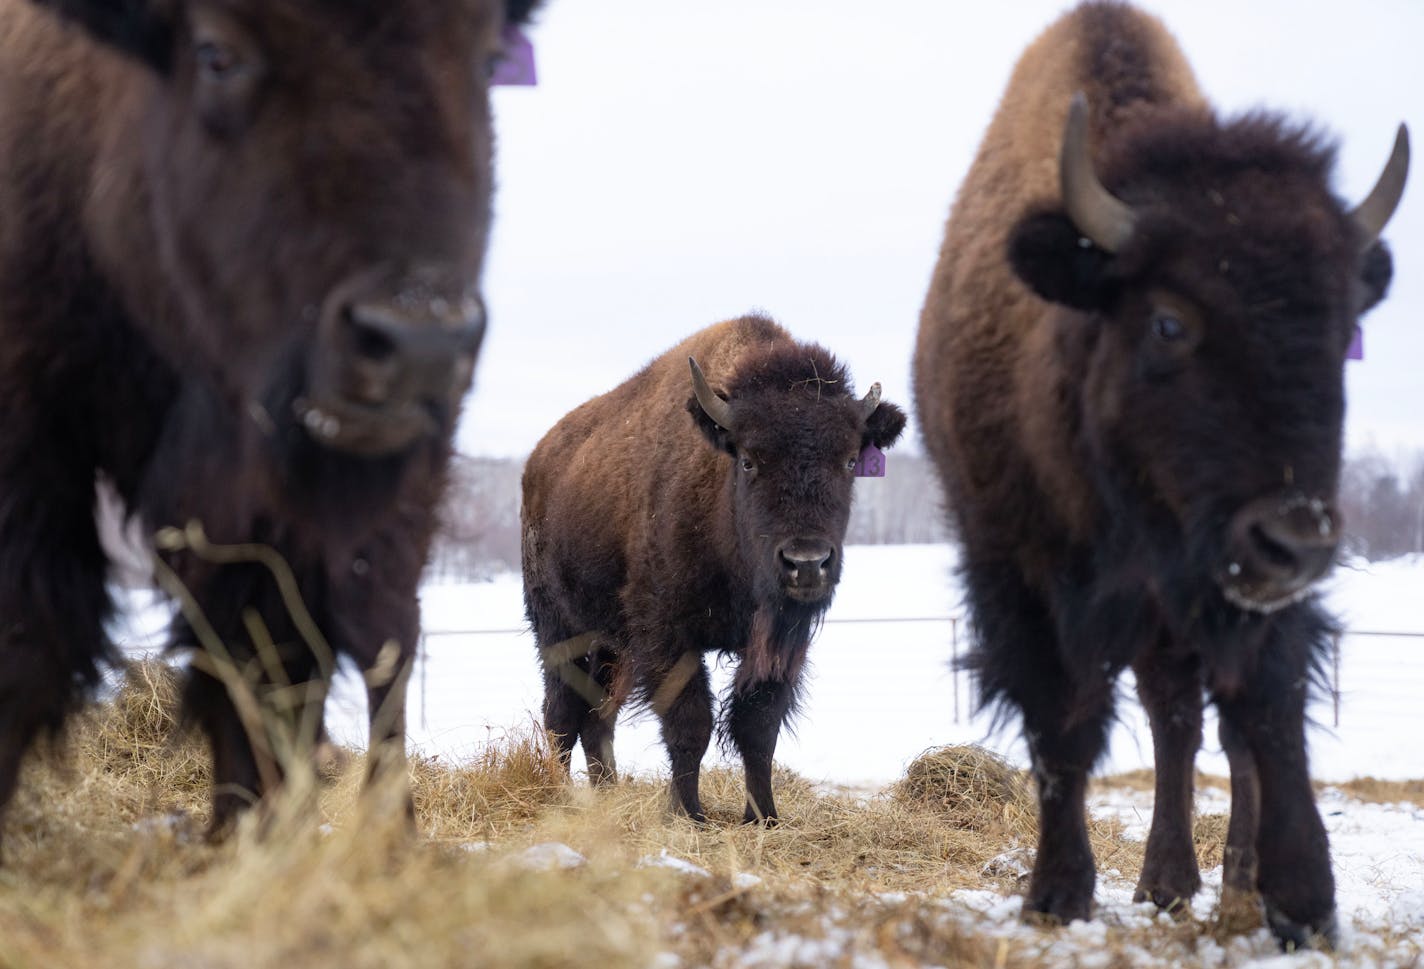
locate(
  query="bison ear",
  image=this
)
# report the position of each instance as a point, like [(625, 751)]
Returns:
[(142, 29), (884, 425), (717, 435), (1058, 263), (1376, 272), (518, 12)]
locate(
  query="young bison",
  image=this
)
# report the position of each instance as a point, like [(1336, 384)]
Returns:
[(1130, 375), (679, 514)]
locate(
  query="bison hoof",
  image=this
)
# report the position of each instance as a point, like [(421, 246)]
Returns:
[(1322, 934), (1175, 900), (752, 817), (1240, 911), (1049, 908)]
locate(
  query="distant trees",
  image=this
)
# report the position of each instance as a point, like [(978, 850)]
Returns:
[(479, 534), (1383, 506), (479, 521), (904, 506), (1382, 502)]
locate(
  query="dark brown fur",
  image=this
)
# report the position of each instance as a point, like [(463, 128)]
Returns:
[(186, 186), (644, 527), (1093, 468)]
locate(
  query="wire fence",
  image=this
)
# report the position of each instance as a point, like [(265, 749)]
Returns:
[(966, 688)]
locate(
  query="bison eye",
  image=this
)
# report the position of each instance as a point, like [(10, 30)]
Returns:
[(748, 465), (217, 61), (1168, 328)]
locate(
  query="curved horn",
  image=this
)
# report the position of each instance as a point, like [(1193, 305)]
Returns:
[(1372, 214), (870, 401), (715, 407), (1098, 214)]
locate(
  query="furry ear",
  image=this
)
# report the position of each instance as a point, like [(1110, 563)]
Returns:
[(1376, 272), (884, 425), (142, 29), (1054, 260), (517, 12), (716, 435)]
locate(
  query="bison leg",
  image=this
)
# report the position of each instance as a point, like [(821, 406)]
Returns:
[(1267, 717), (1171, 692), (35, 695), (256, 688), (52, 597), (386, 700), (682, 698), (578, 704), (237, 776), (754, 723), (596, 728), (1065, 717), (1063, 873), (1238, 880)]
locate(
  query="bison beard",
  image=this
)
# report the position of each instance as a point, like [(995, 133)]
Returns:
[(239, 277), (664, 520), (1129, 373)]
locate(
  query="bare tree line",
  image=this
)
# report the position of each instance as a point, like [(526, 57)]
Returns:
[(1382, 501), (479, 534)]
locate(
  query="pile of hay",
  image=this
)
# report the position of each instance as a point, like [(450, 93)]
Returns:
[(972, 788)]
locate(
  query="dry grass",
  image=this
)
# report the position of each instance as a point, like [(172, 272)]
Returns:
[(1376, 791), (1145, 778), (105, 865)]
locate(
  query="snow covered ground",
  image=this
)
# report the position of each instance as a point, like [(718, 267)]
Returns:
[(882, 690)]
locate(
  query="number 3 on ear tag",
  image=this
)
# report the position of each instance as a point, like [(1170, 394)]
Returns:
[(871, 463)]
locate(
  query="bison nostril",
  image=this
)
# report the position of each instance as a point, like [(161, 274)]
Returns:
[(371, 335), (1279, 556), (810, 563)]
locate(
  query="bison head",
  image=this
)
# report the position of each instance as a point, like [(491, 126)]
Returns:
[(793, 432), (1210, 297), (296, 201)]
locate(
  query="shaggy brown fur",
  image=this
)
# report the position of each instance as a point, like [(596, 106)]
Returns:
[(239, 257), (1140, 443), (653, 535)]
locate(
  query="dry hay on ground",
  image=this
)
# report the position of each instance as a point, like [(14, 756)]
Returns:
[(514, 866), (1376, 791)]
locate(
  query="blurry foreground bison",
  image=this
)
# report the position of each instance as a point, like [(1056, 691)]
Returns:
[(1130, 374), (240, 254), (679, 514)]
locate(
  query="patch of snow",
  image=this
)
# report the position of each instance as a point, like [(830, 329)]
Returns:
[(550, 856), (673, 862), (1016, 863)]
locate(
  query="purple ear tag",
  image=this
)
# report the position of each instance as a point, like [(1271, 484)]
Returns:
[(1357, 345), (871, 463), (516, 63)]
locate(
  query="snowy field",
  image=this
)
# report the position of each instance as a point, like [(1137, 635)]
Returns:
[(882, 689)]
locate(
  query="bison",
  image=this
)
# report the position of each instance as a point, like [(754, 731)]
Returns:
[(240, 255), (1129, 374), (679, 514)]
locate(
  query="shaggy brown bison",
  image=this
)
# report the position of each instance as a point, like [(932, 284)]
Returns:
[(679, 514), (240, 253), (1129, 372)]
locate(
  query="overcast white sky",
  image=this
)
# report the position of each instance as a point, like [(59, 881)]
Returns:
[(684, 161)]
